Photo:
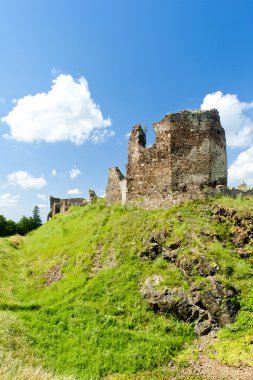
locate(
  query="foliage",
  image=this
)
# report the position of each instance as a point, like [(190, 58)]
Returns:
[(7, 227), (23, 227), (37, 222)]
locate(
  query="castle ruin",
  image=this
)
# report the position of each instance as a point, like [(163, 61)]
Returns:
[(60, 206), (187, 160)]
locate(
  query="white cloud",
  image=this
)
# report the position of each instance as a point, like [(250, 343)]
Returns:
[(73, 173), (8, 200), (236, 117), (53, 173), (43, 197), (65, 113), (242, 168), (42, 205), (74, 192), (25, 180)]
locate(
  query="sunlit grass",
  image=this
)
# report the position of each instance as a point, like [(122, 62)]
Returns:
[(92, 322)]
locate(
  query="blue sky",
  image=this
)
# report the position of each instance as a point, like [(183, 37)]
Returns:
[(75, 76)]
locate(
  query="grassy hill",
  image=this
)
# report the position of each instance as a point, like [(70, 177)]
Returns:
[(86, 295)]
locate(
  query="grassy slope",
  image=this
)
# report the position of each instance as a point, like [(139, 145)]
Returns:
[(93, 321)]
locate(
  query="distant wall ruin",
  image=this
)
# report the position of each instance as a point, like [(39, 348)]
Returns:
[(60, 206), (187, 158)]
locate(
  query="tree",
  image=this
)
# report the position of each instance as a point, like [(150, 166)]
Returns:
[(25, 225), (37, 222), (11, 227), (2, 226), (7, 227)]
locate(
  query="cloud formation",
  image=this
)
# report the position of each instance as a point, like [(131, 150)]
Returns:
[(236, 117), (43, 197), (74, 192), (242, 168), (237, 120), (53, 173), (73, 173), (42, 205), (65, 113), (25, 180), (8, 200)]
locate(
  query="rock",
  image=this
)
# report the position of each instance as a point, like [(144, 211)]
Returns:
[(218, 299), (170, 256), (198, 265), (152, 251), (240, 226), (160, 237), (170, 252), (93, 196), (203, 328), (209, 304), (154, 245)]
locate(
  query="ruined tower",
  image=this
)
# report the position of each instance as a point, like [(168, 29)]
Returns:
[(187, 158), (116, 187)]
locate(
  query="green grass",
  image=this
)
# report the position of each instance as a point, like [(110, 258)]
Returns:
[(93, 322)]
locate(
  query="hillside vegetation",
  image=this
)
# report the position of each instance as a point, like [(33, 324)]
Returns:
[(105, 292)]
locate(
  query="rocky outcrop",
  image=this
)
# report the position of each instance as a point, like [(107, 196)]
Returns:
[(208, 304), (239, 227)]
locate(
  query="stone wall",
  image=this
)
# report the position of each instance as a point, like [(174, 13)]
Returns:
[(187, 158), (198, 153), (58, 205), (116, 186), (149, 169)]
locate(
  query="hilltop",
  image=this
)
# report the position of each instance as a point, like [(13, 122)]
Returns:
[(117, 292)]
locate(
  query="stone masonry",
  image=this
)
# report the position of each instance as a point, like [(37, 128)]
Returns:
[(187, 160), (116, 188), (58, 205)]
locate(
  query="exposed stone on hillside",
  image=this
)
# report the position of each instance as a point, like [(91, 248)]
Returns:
[(198, 265), (240, 228), (209, 304), (154, 245)]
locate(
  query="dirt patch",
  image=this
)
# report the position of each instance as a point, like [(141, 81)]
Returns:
[(99, 263), (16, 240), (54, 274), (212, 369)]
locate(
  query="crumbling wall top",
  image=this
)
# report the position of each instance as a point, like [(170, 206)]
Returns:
[(204, 118)]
